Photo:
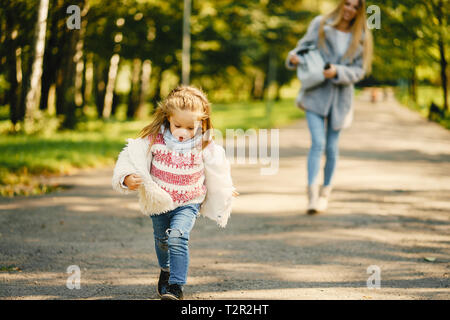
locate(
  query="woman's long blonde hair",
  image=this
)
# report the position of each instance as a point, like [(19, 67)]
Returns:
[(357, 26), (181, 98)]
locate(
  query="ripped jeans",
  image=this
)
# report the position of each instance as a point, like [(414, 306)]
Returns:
[(171, 231)]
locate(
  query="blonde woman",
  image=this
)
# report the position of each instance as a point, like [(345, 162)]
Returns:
[(344, 41), (179, 173)]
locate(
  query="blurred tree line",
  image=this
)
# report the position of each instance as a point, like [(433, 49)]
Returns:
[(413, 45), (238, 50)]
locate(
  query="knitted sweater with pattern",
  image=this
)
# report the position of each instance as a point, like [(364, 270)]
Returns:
[(181, 174)]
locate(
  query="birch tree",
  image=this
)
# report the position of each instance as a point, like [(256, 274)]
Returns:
[(32, 97)]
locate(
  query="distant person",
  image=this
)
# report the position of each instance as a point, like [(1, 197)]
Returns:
[(344, 41), (178, 172)]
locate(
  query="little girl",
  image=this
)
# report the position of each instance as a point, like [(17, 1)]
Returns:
[(179, 173)]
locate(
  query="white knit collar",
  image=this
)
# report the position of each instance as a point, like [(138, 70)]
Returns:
[(184, 146)]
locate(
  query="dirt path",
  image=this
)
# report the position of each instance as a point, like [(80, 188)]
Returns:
[(390, 208)]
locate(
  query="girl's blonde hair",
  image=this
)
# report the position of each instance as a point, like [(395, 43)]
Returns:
[(181, 98), (358, 26)]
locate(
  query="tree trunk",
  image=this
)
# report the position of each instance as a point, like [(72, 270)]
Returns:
[(186, 55), (79, 59), (88, 78), (68, 83), (11, 64), (144, 85), (36, 73), (109, 93), (132, 95), (83, 82), (68, 87), (50, 66), (61, 59), (61, 75), (100, 79), (157, 96), (444, 78), (23, 59), (443, 59), (258, 86), (115, 103), (278, 92), (413, 85), (271, 78), (413, 79)]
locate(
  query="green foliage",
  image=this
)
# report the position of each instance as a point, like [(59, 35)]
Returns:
[(233, 40), (407, 45), (426, 95), (41, 124), (233, 44)]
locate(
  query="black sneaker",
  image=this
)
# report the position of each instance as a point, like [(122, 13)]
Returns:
[(174, 292), (163, 282)]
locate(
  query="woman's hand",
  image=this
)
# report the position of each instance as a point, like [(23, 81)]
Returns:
[(133, 181), (235, 193), (295, 60), (331, 72)]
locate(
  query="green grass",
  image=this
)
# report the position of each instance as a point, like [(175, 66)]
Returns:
[(425, 96), (254, 115), (23, 158), (10, 268)]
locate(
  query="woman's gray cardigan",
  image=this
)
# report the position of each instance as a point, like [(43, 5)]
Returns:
[(337, 93)]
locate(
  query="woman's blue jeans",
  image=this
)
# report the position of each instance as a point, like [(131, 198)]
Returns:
[(323, 138), (171, 231)]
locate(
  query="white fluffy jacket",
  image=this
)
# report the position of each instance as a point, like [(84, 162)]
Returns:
[(136, 158)]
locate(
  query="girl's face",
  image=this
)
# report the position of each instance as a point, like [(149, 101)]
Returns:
[(350, 9), (184, 124)]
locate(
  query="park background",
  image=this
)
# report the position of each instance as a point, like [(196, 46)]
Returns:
[(100, 84), (61, 131)]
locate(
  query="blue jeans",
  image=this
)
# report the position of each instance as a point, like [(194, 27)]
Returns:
[(321, 140), (171, 232)]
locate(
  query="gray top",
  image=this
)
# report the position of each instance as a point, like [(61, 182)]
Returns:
[(333, 95)]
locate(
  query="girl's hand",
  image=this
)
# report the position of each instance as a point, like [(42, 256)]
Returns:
[(331, 72), (235, 193), (295, 60), (133, 181)]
